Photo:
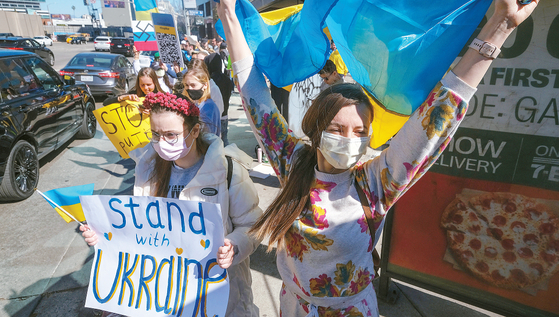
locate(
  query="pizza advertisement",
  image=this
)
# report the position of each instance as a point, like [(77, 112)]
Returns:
[(484, 221)]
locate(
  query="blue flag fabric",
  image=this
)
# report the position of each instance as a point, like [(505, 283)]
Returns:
[(291, 50), (396, 49), (69, 199), (399, 50)]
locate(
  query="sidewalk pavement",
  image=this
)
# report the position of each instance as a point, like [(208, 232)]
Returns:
[(52, 281)]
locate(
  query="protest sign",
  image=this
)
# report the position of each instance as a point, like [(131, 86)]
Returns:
[(167, 38), (156, 256), (125, 125), (144, 36), (503, 162)]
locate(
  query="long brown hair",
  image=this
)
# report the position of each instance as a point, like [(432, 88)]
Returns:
[(161, 173), (147, 72), (294, 198), (198, 69)]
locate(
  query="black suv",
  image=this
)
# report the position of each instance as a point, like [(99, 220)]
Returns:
[(122, 45), (78, 40), (30, 45), (39, 112)]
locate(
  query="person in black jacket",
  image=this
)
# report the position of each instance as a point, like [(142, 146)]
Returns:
[(146, 82), (218, 72)]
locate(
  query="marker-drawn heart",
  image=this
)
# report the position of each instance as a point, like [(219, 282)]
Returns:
[(179, 251), (108, 236), (205, 244)]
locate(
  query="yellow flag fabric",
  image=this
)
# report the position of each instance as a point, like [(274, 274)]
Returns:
[(69, 199), (340, 65)]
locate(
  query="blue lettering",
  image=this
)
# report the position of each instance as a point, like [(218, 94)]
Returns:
[(118, 211), (126, 279), (201, 216), (96, 277), (132, 205), (158, 224), (142, 283), (169, 205)]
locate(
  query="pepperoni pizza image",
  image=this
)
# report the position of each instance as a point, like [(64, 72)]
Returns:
[(507, 240)]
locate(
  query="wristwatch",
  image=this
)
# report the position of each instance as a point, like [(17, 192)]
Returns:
[(486, 49)]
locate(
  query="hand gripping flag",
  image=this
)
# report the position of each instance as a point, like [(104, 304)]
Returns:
[(396, 49), (69, 199)]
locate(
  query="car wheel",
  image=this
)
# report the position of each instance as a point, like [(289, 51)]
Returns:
[(51, 59), (22, 173), (89, 124)]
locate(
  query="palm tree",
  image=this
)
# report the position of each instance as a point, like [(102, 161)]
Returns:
[(74, 8)]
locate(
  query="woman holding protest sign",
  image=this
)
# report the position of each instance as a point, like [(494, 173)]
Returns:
[(184, 162), (146, 82), (317, 221)]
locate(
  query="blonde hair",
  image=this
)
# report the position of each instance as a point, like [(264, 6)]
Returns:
[(198, 69)]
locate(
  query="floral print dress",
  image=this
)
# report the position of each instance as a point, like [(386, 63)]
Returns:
[(326, 264)]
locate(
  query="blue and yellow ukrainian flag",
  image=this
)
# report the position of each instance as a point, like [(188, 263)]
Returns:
[(69, 199), (144, 8), (396, 49)]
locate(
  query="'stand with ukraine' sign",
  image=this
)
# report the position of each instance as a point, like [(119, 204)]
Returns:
[(156, 256)]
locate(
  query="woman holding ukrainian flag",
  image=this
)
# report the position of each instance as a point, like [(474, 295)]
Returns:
[(317, 222)]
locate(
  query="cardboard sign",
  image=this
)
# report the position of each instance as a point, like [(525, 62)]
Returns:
[(156, 257), (125, 125), (167, 38), (505, 153)]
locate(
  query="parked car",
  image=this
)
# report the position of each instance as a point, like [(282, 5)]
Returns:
[(122, 45), (103, 73), (47, 41), (30, 45), (39, 112), (102, 43), (7, 35), (78, 40)]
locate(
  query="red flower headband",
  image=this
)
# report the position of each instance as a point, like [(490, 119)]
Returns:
[(164, 99)]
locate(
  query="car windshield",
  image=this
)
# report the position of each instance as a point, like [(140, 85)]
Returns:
[(101, 39), (91, 61)]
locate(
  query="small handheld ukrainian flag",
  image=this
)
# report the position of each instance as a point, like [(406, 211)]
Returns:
[(66, 201)]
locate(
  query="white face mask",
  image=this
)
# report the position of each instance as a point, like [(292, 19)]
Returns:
[(172, 152), (342, 152)]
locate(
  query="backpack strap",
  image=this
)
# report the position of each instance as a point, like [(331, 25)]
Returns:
[(229, 170), (370, 222)]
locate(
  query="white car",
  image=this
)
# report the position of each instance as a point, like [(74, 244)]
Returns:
[(43, 40), (102, 43)]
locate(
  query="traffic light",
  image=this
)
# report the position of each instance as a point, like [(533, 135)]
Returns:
[(86, 2)]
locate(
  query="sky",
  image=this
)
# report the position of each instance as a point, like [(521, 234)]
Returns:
[(65, 7)]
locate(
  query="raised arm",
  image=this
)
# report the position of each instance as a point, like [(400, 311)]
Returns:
[(508, 15), (237, 45), (268, 124)]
